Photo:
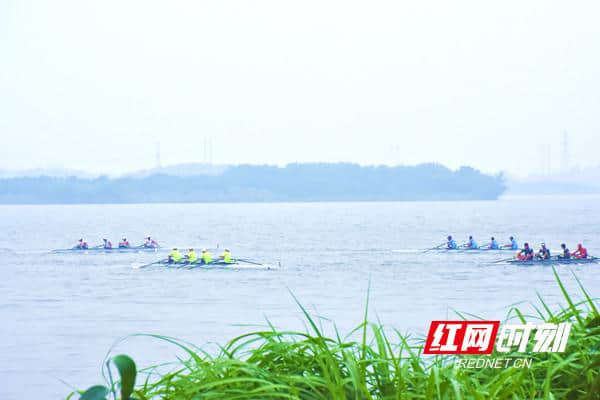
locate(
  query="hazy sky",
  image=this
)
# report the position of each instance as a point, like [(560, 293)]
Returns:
[(94, 85)]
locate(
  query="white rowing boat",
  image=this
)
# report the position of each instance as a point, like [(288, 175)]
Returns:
[(237, 264), (102, 250)]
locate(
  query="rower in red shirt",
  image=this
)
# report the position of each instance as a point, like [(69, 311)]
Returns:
[(526, 253), (124, 244), (581, 252)]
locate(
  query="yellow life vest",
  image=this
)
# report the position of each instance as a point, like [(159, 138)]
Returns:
[(192, 257), (175, 256), (227, 257), (206, 258)]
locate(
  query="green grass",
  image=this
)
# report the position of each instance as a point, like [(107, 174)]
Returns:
[(382, 364)]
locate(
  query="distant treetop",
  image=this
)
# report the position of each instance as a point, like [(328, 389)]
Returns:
[(264, 183)]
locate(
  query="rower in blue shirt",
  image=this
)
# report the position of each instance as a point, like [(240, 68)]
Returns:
[(513, 244), (472, 244), (452, 244), (494, 244)]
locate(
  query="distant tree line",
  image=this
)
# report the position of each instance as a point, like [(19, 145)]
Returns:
[(251, 183)]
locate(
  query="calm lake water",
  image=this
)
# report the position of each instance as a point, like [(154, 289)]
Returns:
[(61, 313)]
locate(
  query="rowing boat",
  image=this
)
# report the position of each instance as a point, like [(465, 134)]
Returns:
[(468, 250), (103, 250), (217, 264), (556, 261)]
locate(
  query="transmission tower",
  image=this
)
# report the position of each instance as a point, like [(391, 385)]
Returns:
[(565, 152)]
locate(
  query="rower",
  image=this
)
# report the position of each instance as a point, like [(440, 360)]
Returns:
[(174, 256), (452, 244), (543, 253), (472, 244), (206, 257), (526, 254), (581, 252), (191, 256), (566, 254), (494, 244), (226, 256), (150, 243), (513, 244), (107, 244), (82, 244), (124, 243)]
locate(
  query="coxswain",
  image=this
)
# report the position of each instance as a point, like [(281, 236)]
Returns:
[(543, 253), (494, 244), (513, 245), (526, 254), (82, 244), (124, 244), (581, 252), (174, 256), (472, 244), (226, 256), (451, 244), (566, 254), (206, 257), (107, 244), (191, 256), (150, 243)]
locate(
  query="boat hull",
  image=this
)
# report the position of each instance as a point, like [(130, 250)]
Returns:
[(479, 250), (557, 261), (218, 265), (104, 251)]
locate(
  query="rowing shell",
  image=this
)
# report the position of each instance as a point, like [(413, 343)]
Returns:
[(465, 250), (96, 250), (235, 265), (557, 261)]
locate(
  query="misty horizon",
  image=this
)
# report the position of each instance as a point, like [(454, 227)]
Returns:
[(499, 87)]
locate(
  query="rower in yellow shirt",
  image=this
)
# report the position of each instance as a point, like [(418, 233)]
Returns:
[(226, 257), (206, 257), (191, 256), (174, 256)]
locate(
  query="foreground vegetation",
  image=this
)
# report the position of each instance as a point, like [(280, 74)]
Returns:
[(294, 365)]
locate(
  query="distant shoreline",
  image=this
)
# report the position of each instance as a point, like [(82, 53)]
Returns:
[(264, 184)]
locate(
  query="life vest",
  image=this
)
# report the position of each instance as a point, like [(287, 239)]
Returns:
[(175, 256), (545, 253), (227, 257)]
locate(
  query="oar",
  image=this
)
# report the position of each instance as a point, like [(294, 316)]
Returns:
[(434, 248), (152, 263), (193, 265), (248, 261), (504, 260)]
